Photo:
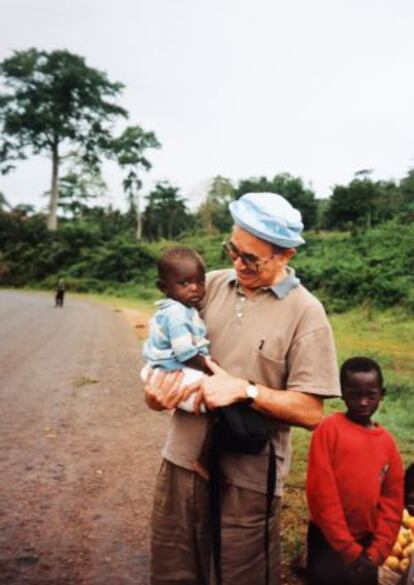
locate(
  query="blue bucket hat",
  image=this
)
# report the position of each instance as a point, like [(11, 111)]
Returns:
[(270, 217)]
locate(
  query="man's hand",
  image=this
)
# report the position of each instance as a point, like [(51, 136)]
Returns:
[(162, 392), (220, 389)]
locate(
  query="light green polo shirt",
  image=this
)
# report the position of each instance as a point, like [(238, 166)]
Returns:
[(280, 338)]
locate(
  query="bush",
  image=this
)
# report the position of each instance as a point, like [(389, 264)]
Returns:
[(120, 260), (374, 268)]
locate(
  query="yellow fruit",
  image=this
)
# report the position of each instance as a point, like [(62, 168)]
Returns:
[(402, 538), (405, 518), (393, 563), (397, 550), (404, 564), (409, 550), (409, 535), (410, 524)]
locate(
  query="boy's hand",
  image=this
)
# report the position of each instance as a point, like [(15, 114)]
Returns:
[(162, 392), (364, 571)]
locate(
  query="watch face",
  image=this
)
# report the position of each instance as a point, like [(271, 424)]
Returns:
[(252, 391)]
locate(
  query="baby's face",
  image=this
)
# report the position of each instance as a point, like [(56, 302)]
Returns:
[(185, 283)]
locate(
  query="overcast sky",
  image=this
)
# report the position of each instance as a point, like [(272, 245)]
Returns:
[(316, 88)]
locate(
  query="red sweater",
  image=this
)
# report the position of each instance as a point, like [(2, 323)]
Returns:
[(355, 487)]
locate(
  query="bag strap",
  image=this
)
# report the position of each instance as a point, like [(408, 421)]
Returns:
[(271, 484), (215, 506)]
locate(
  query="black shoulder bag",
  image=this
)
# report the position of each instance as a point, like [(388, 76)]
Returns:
[(243, 430)]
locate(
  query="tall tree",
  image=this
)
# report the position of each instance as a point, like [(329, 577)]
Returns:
[(54, 102), (166, 215), (213, 214), (129, 149), (23, 210), (4, 204), (406, 188), (77, 187), (253, 185), (300, 196), (356, 205)]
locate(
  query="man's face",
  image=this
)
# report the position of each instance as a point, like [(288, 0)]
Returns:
[(272, 264), (362, 394), (185, 283)]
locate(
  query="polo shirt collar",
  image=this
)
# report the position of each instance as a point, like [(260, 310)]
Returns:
[(280, 289)]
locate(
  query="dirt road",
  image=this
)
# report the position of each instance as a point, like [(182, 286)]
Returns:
[(79, 449)]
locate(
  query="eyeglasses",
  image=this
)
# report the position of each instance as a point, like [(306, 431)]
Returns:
[(251, 261)]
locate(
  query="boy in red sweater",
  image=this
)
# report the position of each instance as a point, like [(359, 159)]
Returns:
[(354, 485)]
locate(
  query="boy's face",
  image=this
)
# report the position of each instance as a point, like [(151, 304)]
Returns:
[(185, 283), (362, 394)]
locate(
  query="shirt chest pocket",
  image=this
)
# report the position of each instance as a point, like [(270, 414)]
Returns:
[(264, 369)]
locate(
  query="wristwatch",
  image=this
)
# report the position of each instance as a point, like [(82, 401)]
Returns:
[(252, 392)]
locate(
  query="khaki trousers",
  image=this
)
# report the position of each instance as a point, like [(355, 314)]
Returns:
[(181, 539)]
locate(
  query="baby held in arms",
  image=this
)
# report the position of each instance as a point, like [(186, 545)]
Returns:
[(177, 334)]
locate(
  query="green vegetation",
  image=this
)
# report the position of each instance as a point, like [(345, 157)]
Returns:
[(365, 203), (372, 268), (99, 253)]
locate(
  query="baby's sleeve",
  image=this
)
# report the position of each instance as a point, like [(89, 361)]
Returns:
[(180, 332)]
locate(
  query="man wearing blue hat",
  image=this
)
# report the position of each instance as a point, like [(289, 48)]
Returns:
[(275, 348)]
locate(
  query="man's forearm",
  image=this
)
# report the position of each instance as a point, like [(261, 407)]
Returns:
[(293, 407), (290, 406)]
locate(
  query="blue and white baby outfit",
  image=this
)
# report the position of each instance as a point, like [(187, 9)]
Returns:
[(176, 334)]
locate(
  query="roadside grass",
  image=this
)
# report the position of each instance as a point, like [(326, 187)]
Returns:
[(119, 302)]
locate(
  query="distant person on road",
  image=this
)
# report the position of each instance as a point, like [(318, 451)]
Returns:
[(354, 485), (177, 334), (60, 293), (277, 356)]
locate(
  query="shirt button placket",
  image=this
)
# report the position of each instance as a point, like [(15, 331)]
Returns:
[(240, 306)]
